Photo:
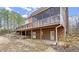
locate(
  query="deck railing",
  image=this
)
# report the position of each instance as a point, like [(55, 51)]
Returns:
[(53, 20)]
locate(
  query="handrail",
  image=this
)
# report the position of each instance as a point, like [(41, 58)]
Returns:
[(52, 20), (47, 21)]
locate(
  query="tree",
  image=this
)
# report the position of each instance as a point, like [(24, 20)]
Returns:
[(10, 19)]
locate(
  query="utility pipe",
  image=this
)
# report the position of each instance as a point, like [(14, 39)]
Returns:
[(57, 34)]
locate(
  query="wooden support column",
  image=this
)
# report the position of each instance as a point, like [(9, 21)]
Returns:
[(25, 33), (41, 33), (56, 35), (21, 34), (31, 34)]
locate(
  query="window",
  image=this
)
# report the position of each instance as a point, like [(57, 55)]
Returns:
[(39, 16), (34, 34), (46, 13), (54, 11)]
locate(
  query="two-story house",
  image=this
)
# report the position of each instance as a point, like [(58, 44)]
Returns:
[(47, 23)]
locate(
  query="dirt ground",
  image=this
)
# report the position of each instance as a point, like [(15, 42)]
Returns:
[(13, 43)]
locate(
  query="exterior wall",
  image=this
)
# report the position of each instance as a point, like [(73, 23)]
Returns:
[(46, 33), (64, 19), (30, 22), (37, 33), (61, 33)]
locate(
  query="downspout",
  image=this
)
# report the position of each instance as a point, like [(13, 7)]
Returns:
[(57, 34)]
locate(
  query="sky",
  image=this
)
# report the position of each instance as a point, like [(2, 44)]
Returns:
[(25, 11), (73, 11)]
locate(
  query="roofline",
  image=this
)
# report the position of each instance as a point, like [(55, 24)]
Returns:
[(38, 11)]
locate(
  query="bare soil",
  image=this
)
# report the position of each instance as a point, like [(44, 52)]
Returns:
[(16, 43)]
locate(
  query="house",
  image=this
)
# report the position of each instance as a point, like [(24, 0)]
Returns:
[(48, 23)]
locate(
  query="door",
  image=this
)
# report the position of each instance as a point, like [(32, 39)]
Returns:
[(34, 35), (52, 35)]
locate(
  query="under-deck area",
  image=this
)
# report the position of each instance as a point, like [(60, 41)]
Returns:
[(44, 33)]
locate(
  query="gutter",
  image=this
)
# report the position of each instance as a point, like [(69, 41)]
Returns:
[(57, 34)]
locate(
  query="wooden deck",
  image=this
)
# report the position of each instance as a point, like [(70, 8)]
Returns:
[(53, 20)]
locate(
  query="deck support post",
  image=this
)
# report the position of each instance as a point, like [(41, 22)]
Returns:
[(41, 33), (25, 33), (56, 35), (31, 34), (21, 34)]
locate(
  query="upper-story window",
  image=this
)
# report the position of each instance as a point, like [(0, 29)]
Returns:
[(47, 13), (54, 11), (39, 16)]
